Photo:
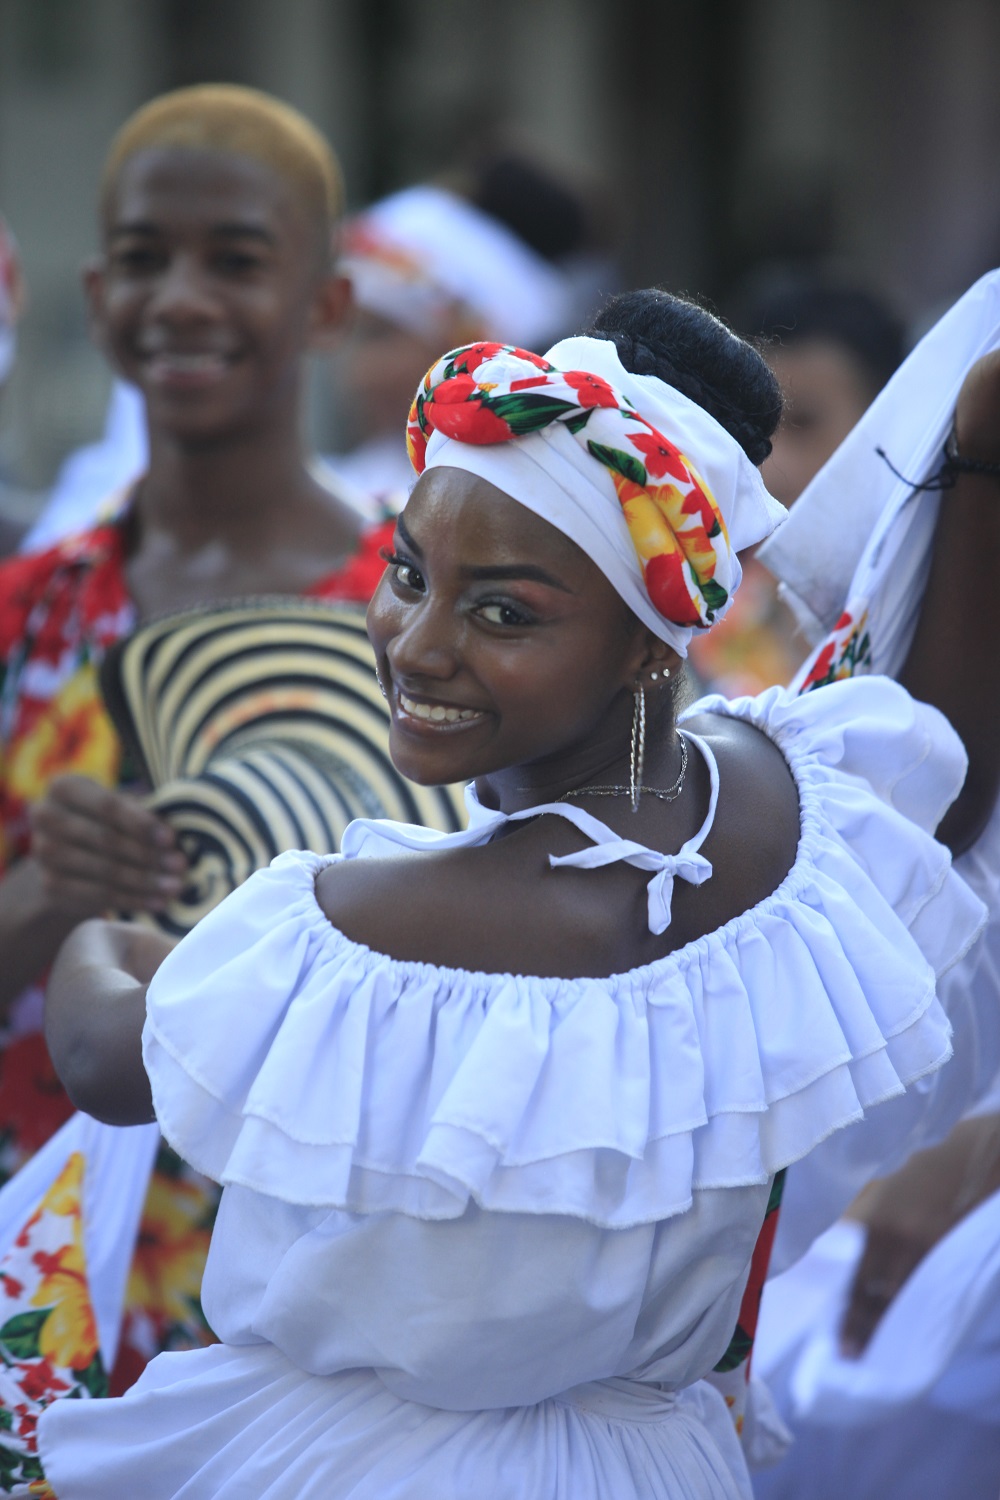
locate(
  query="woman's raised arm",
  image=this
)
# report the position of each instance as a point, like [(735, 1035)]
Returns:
[(954, 660), (95, 1007)]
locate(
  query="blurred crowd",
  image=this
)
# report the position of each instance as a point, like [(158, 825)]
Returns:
[(509, 249)]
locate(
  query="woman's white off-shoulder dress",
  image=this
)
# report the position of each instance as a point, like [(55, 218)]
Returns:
[(482, 1235)]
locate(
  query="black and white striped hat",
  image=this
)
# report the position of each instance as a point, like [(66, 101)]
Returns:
[(260, 727)]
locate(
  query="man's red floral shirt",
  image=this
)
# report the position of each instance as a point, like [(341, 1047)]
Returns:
[(60, 610)]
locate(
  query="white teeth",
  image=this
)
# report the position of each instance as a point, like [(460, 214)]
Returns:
[(437, 712)]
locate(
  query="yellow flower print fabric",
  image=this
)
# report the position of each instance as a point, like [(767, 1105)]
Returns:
[(48, 1332)]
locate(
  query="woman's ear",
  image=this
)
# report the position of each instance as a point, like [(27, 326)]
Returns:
[(654, 662)]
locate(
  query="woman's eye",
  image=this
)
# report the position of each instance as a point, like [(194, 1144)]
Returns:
[(403, 572), (408, 577), (503, 614)]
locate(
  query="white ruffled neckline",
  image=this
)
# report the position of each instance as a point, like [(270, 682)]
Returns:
[(361, 1082), (363, 831)]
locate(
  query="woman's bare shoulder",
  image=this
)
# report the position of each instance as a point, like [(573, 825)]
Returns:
[(500, 907), (755, 836), (464, 908)]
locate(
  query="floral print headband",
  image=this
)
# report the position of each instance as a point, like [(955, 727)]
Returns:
[(488, 393)]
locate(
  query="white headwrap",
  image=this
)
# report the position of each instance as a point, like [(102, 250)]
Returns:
[(421, 254), (553, 473)]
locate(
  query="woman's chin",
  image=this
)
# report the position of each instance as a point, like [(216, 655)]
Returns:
[(432, 757), (428, 770)]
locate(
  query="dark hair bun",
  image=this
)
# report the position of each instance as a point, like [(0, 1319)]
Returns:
[(656, 333)]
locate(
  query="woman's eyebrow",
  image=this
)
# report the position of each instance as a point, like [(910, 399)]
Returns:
[(403, 530), (529, 571), (518, 570)]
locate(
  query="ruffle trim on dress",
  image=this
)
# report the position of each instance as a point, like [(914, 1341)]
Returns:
[(292, 1061)]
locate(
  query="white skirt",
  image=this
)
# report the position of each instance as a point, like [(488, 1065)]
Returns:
[(246, 1424)]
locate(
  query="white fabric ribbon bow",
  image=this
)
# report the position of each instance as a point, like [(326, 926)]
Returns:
[(687, 864)]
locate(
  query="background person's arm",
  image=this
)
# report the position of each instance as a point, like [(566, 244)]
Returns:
[(954, 660), (93, 850), (908, 1213)]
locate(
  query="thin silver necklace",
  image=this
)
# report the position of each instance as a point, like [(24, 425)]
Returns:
[(665, 794)]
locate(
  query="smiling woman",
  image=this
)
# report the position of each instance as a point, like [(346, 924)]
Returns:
[(500, 1115)]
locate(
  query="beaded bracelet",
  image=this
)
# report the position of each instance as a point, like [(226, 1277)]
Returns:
[(954, 463)]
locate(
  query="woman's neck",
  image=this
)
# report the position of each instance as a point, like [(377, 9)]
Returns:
[(603, 760)]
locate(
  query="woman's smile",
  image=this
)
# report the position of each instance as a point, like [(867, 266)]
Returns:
[(430, 715)]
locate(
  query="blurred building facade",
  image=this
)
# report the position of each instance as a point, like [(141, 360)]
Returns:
[(715, 134)]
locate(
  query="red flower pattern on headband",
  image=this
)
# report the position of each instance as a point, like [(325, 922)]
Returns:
[(660, 456), (591, 389), (460, 412), (492, 393)]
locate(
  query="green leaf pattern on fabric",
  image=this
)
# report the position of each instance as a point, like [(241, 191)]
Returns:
[(617, 459)]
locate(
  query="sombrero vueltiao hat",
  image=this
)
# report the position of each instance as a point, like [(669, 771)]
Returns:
[(260, 727)]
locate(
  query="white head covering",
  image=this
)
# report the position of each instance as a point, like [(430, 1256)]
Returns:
[(421, 254), (552, 474)]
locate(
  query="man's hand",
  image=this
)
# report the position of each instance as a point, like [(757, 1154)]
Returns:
[(99, 850), (908, 1213)]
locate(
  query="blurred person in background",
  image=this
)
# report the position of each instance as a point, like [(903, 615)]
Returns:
[(882, 1344), (214, 280), (832, 346), (18, 505), (508, 257)]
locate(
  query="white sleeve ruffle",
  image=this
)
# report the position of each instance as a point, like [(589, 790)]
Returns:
[(290, 1060), (823, 1185)]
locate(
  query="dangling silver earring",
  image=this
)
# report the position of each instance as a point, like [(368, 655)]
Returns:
[(381, 687), (638, 756)]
